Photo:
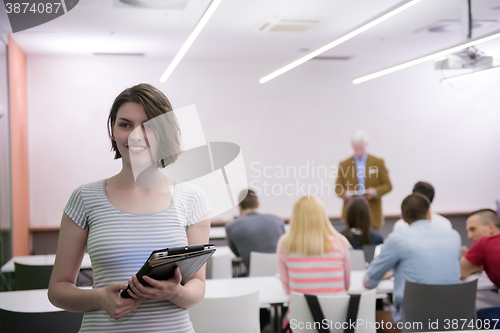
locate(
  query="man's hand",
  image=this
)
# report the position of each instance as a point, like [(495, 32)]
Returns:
[(370, 193), (464, 250)]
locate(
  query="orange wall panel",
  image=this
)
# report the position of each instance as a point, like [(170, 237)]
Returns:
[(19, 149)]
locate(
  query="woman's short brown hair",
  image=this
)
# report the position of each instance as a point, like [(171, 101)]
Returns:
[(155, 104)]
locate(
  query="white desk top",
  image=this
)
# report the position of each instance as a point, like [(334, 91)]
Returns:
[(27, 301), (269, 287), (271, 290), (46, 259)]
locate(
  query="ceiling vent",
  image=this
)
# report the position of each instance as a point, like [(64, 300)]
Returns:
[(281, 24), (455, 26), (152, 4)]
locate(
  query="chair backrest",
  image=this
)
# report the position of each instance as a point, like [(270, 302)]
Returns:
[(357, 260), (26, 322), (263, 264), (377, 250), (369, 251), (335, 310), (221, 266), (227, 314), (32, 277), (431, 302)]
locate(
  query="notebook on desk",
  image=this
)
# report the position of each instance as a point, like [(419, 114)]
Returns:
[(161, 264)]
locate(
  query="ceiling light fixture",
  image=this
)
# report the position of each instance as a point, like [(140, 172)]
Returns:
[(208, 13), (439, 54), (382, 17), (463, 76)]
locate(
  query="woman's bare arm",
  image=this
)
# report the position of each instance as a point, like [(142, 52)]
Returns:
[(63, 292)]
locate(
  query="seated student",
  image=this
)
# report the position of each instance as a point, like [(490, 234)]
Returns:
[(312, 236), (253, 231), (483, 228), (359, 225), (424, 253), (436, 219)]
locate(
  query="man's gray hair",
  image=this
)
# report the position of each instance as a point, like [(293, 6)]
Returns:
[(359, 137)]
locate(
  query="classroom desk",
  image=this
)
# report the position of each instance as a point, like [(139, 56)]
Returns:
[(28, 301), (39, 260), (271, 293)]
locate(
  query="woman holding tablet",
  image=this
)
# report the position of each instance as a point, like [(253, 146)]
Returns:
[(124, 218)]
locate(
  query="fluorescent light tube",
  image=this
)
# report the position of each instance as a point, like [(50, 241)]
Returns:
[(463, 76), (211, 9), (462, 46), (382, 17)]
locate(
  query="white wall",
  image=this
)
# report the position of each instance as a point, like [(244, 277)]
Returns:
[(424, 130)]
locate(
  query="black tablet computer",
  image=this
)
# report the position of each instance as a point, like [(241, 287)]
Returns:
[(161, 264)]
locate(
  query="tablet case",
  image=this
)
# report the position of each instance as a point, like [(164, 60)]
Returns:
[(189, 259)]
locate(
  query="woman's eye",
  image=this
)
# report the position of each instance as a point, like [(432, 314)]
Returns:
[(123, 125)]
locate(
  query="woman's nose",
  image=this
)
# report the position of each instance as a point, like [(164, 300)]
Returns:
[(136, 134)]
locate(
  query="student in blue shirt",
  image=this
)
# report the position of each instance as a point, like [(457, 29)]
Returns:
[(424, 253)]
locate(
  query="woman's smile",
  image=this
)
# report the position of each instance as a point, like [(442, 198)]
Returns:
[(136, 149)]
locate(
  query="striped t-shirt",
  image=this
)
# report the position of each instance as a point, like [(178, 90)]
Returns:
[(119, 243), (328, 273)]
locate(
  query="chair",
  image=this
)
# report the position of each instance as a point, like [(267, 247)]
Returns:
[(221, 266), (27, 322), (369, 251), (357, 260), (263, 264), (227, 314), (32, 277), (430, 302), (335, 309)]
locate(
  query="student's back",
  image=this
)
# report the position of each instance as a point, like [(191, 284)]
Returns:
[(313, 258), (424, 253), (254, 232), (359, 224)]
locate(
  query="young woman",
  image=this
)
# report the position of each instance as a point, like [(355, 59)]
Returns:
[(359, 225), (313, 258), (124, 218)]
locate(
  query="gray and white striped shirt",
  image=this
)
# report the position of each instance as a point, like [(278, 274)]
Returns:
[(119, 243)]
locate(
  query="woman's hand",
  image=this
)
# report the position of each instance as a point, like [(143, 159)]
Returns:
[(115, 305), (159, 290)]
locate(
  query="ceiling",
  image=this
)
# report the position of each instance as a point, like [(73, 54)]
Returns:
[(97, 26)]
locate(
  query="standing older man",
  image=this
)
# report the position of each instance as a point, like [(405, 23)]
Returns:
[(363, 174)]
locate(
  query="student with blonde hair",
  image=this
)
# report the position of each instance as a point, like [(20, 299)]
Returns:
[(313, 257)]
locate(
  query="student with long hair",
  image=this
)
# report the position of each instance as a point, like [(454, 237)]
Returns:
[(313, 258), (359, 230)]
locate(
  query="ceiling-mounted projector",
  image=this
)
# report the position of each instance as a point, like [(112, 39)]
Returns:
[(470, 58)]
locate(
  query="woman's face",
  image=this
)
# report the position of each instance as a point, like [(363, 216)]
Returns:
[(134, 135)]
